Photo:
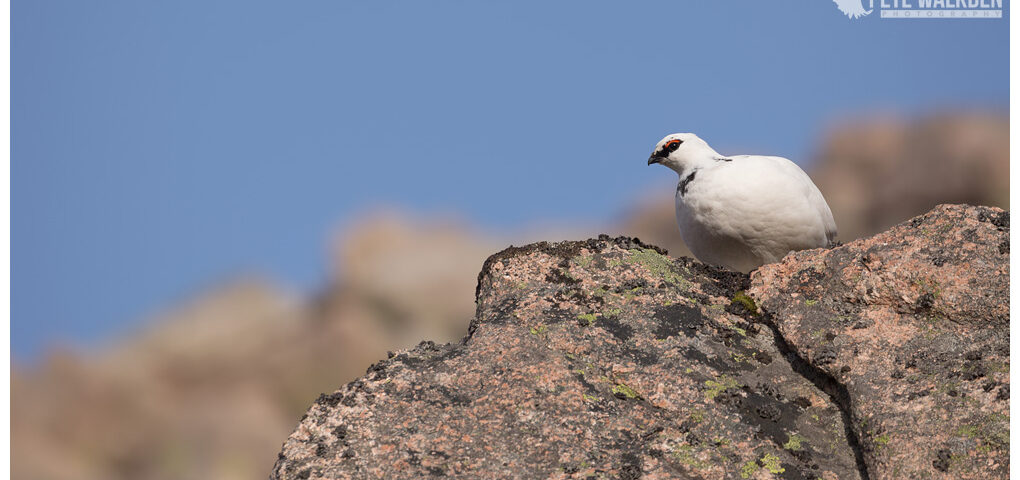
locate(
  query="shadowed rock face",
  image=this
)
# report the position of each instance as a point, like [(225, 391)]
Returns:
[(913, 324), (607, 358)]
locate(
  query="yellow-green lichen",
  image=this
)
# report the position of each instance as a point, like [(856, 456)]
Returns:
[(588, 398), (771, 463), (587, 318), (795, 442), (685, 454), (583, 261), (539, 330), (713, 388), (748, 469), (998, 367), (658, 264), (810, 303), (992, 431), (623, 389), (746, 301), (998, 440)]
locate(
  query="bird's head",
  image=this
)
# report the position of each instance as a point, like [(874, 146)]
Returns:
[(680, 150)]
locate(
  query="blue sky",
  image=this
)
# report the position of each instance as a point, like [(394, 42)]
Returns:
[(160, 147)]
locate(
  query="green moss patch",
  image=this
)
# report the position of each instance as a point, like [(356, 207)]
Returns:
[(992, 431), (587, 318), (747, 302)]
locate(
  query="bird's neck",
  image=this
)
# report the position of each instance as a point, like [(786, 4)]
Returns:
[(704, 158)]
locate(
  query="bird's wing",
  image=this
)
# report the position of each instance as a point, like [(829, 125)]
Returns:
[(760, 177), (815, 196)]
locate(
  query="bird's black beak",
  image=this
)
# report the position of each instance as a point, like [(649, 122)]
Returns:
[(656, 158)]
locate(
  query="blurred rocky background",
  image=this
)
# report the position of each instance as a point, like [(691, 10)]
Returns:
[(211, 388)]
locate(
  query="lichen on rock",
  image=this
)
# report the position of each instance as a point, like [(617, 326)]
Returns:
[(607, 358)]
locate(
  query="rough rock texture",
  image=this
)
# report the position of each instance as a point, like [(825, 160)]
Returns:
[(607, 359), (913, 325), (586, 358)]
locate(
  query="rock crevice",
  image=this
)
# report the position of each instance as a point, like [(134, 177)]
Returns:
[(837, 392)]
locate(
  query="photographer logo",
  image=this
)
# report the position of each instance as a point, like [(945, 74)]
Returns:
[(934, 9)]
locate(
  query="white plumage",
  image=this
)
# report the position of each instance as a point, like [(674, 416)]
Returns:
[(743, 211)]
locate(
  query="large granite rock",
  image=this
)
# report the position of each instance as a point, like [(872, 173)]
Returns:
[(913, 326), (608, 359)]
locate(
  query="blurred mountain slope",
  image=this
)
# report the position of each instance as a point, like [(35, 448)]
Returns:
[(877, 172), (212, 387)]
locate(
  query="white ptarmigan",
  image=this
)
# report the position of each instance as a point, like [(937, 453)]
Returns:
[(743, 211)]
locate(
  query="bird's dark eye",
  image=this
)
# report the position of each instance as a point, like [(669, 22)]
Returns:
[(673, 145)]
